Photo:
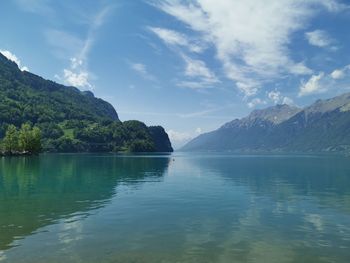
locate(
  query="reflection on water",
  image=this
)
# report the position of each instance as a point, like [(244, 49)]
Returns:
[(36, 191), (179, 208)]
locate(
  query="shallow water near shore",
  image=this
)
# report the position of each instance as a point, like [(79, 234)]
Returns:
[(174, 208)]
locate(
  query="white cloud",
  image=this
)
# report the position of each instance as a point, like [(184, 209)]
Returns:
[(172, 37), (277, 98), (334, 5), (198, 130), (300, 69), (77, 49), (313, 85), (141, 69), (337, 80), (179, 136), (255, 102), (251, 37), (288, 101), (76, 75), (138, 67), (78, 79), (75, 63), (179, 139), (248, 87), (319, 38), (339, 73), (199, 76), (198, 68), (9, 55)]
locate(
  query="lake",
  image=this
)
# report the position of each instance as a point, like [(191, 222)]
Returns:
[(174, 208)]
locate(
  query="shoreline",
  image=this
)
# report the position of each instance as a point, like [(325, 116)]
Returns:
[(6, 154)]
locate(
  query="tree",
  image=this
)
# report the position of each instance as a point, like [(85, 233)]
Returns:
[(35, 146), (141, 146), (24, 137), (11, 139), (29, 139)]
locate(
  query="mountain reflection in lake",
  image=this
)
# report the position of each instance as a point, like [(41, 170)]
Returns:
[(178, 208)]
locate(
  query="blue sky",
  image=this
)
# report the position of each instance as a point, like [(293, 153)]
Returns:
[(189, 66)]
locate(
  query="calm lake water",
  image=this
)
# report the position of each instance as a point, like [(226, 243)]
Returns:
[(174, 208)]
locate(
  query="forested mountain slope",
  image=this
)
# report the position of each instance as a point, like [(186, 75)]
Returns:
[(70, 120)]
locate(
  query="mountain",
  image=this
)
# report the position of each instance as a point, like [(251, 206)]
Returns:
[(321, 127), (70, 120)]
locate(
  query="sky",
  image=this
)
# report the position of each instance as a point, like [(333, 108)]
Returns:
[(190, 66)]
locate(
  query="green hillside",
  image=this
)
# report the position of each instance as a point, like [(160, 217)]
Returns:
[(70, 120)]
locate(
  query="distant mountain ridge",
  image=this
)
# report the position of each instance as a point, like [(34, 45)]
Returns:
[(70, 120), (323, 126)]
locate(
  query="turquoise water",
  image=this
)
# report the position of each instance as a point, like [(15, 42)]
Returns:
[(174, 208)]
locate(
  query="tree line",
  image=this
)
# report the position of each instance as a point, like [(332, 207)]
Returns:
[(26, 140)]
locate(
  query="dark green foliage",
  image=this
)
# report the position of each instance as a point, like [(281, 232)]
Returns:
[(160, 138), (69, 120), (141, 146)]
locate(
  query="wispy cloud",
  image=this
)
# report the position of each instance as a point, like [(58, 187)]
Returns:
[(205, 113), (198, 68), (174, 38), (65, 45), (319, 38), (75, 49), (9, 55), (300, 69), (255, 102), (198, 75), (77, 74), (201, 113), (251, 37), (41, 7), (141, 70)]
